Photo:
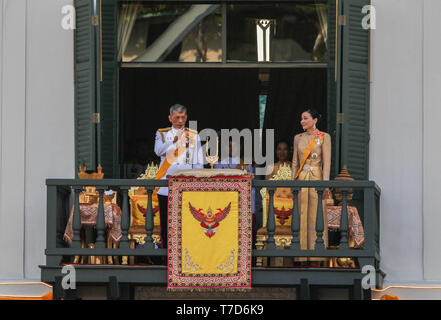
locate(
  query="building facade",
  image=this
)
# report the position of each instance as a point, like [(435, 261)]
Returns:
[(37, 132)]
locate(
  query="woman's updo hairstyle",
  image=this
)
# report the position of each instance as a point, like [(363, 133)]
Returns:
[(314, 114)]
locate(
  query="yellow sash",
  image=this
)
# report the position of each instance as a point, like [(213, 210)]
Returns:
[(307, 153)]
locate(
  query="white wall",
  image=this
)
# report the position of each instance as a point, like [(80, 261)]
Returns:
[(396, 145), (432, 139), (37, 126), (12, 136), (49, 118), (405, 137), (37, 131)]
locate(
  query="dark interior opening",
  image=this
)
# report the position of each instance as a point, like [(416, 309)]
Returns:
[(218, 98)]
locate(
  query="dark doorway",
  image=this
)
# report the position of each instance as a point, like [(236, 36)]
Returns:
[(218, 98)]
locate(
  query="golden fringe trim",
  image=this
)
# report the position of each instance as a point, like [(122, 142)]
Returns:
[(208, 290)]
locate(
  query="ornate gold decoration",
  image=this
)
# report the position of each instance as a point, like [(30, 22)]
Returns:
[(284, 173), (189, 265), (93, 259), (90, 195), (140, 238), (228, 265), (346, 262), (94, 175), (281, 240), (343, 176), (149, 174), (212, 159), (329, 199)]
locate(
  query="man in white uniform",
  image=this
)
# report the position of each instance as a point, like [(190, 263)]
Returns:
[(180, 149)]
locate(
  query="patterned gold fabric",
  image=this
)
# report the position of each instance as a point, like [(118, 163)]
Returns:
[(283, 198), (89, 214), (356, 230), (138, 205)]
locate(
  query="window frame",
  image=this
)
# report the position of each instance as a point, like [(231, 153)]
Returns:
[(225, 63), (103, 94)]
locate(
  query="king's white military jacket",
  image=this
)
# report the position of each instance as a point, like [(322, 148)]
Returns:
[(192, 158)]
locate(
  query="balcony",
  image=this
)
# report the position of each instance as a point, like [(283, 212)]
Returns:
[(63, 194)]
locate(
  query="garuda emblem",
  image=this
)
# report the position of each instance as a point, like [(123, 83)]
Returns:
[(210, 221), (144, 210), (282, 214)]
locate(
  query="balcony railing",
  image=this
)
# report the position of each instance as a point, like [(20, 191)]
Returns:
[(62, 194)]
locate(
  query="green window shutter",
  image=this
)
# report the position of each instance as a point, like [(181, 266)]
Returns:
[(355, 91), (334, 79), (85, 135), (108, 90)]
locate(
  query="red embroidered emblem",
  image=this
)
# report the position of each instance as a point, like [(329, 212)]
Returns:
[(144, 210), (282, 214), (209, 221)]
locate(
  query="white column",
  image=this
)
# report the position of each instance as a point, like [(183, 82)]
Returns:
[(50, 149), (12, 136), (396, 145), (432, 140)]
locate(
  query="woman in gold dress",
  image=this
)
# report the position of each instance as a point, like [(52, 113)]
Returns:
[(311, 161)]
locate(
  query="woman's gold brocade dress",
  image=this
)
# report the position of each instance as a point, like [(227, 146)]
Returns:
[(316, 167)]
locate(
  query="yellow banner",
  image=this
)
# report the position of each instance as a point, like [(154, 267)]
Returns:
[(210, 232)]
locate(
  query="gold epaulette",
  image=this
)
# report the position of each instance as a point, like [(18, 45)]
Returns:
[(161, 131), (192, 131)]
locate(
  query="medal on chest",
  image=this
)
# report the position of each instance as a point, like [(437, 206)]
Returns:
[(318, 141)]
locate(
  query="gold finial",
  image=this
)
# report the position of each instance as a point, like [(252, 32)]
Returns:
[(343, 176)]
